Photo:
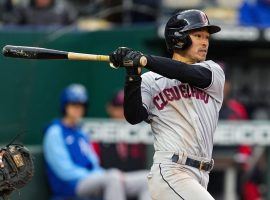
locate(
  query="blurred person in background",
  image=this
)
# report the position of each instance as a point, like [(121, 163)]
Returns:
[(232, 109), (150, 12), (255, 13), (115, 17), (132, 11), (72, 164), (85, 7), (126, 157), (43, 13), (250, 176), (6, 8)]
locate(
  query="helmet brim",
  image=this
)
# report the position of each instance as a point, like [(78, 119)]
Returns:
[(213, 29)]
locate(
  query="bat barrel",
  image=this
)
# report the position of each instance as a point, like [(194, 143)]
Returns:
[(33, 52)]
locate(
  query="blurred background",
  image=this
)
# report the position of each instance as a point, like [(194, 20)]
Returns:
[(30, 89)]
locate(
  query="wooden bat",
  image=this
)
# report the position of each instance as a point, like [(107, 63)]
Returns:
[(27, 52)]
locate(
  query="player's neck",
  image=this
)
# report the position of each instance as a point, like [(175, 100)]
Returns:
[(70, 122), (179, 57)]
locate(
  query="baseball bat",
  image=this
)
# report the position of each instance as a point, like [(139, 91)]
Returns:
[(28, 52)]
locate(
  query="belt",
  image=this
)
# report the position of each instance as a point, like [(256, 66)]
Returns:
[(201, 165)]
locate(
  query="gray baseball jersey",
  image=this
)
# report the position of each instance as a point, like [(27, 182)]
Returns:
[(183, 118)]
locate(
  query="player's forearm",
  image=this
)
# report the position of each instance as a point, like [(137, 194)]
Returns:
[(193, 74), (134, 110)]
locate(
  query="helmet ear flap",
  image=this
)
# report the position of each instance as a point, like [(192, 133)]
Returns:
[(183, 41)]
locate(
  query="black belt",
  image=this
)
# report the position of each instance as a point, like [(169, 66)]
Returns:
[(201, 165)]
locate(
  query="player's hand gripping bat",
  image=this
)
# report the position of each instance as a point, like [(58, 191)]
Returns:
[(27, 52)]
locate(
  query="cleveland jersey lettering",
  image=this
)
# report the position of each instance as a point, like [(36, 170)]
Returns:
[(177, 92)]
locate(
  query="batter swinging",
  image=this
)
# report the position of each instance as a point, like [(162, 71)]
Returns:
[(180, 98)]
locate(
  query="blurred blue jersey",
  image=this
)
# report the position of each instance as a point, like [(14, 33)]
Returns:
[(69, 158)]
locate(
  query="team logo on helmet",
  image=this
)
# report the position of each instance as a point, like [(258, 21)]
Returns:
[(204, 18)]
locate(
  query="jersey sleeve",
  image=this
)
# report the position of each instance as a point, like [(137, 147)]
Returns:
[(146, 91), (215, 89)]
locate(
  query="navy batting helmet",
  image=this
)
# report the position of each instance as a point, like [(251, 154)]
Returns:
[(179, 25), (74, 93)]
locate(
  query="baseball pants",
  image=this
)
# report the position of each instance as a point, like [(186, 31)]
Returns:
[(174, 181)]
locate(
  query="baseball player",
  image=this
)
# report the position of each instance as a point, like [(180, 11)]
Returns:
[(180, 98)]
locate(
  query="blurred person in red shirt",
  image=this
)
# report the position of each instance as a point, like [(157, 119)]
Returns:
[(231, 108)]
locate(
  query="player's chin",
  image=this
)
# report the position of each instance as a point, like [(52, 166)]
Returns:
[(201, 58)]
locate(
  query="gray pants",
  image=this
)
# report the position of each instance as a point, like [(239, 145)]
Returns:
[(115, 185), (174, 181)]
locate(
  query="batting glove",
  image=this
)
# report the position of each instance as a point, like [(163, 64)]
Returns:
[(132, 64), (132, 59), (116, 57)]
